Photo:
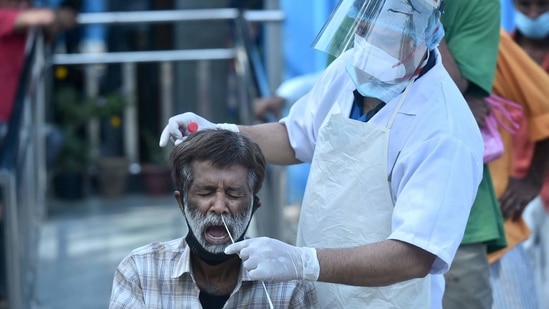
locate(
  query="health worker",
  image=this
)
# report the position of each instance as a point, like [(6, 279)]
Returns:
[(396, 158)]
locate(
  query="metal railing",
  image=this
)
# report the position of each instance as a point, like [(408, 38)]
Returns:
[(22, 161), (254, 74), (23, 178), (251, 72), (165, 57)]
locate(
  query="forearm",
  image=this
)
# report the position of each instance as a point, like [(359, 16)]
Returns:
[(53, 20), (34, 17), (377, 264), (273, 140)]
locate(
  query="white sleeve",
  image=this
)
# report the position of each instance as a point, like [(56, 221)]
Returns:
[(308, 113), (299, 124), (438, 181)]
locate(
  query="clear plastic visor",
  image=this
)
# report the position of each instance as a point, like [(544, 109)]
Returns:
[(398, 28)]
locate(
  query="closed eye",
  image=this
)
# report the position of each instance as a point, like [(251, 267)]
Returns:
[(234, 194), (204, 193)]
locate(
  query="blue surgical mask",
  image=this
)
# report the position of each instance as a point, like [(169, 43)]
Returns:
[(537, 28)]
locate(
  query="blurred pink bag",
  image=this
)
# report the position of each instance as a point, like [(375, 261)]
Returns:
[(493, 145)]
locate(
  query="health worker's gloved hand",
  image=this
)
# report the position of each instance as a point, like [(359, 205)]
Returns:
[(177, 127), (269, 259)]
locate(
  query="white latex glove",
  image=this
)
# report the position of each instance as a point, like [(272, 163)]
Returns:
[(269, 259), (177, 127)]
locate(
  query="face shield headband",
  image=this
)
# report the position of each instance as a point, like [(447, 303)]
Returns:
[(383, 42), (402, 28)]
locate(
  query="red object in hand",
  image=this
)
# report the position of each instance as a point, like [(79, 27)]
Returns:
[(192, 127)]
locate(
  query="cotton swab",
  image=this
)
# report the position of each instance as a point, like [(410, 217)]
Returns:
[(263, 283)]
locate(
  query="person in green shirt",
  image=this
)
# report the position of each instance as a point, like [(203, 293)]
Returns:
[(469, 52)]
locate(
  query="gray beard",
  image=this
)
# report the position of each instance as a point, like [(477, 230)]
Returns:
[(198, 223)]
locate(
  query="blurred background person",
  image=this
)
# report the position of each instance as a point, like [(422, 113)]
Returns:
[(521, 80), (531, 33), (511, 276), (469, 53), (17, 18)]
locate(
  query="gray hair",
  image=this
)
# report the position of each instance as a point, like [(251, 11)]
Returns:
[(222, 148)]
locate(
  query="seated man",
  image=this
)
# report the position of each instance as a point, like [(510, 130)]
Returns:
[(217, 174)]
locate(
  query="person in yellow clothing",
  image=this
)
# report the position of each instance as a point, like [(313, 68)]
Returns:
[(519, 79)]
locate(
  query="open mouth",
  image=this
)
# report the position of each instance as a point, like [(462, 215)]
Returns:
[(217, 235)]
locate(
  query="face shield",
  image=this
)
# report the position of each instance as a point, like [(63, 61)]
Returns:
[(390, 37)]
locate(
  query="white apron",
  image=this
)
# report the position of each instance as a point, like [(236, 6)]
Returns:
[(348, 203)]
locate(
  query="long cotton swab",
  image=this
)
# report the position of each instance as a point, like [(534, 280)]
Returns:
[(232, 241)]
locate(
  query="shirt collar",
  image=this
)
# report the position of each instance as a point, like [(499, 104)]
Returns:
[(429, 63), (183, 265)]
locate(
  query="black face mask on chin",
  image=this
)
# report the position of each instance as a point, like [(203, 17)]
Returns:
[(214, 258)]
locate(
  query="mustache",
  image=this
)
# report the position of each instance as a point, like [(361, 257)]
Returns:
[(211, 219)]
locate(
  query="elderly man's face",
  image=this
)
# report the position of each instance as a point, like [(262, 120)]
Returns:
[(214, 192)]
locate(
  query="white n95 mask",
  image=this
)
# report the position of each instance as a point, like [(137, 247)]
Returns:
[(375, 73), (372, 62)]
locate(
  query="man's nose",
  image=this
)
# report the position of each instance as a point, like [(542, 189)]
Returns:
[(219, 204)]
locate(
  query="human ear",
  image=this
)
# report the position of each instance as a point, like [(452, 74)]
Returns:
[(256, 203), (179, 198)]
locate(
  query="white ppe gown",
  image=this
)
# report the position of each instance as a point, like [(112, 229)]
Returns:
[(433, 154), (337, 181)]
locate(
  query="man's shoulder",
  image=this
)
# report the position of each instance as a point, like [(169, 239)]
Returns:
[(177, 245), (441, 110)]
